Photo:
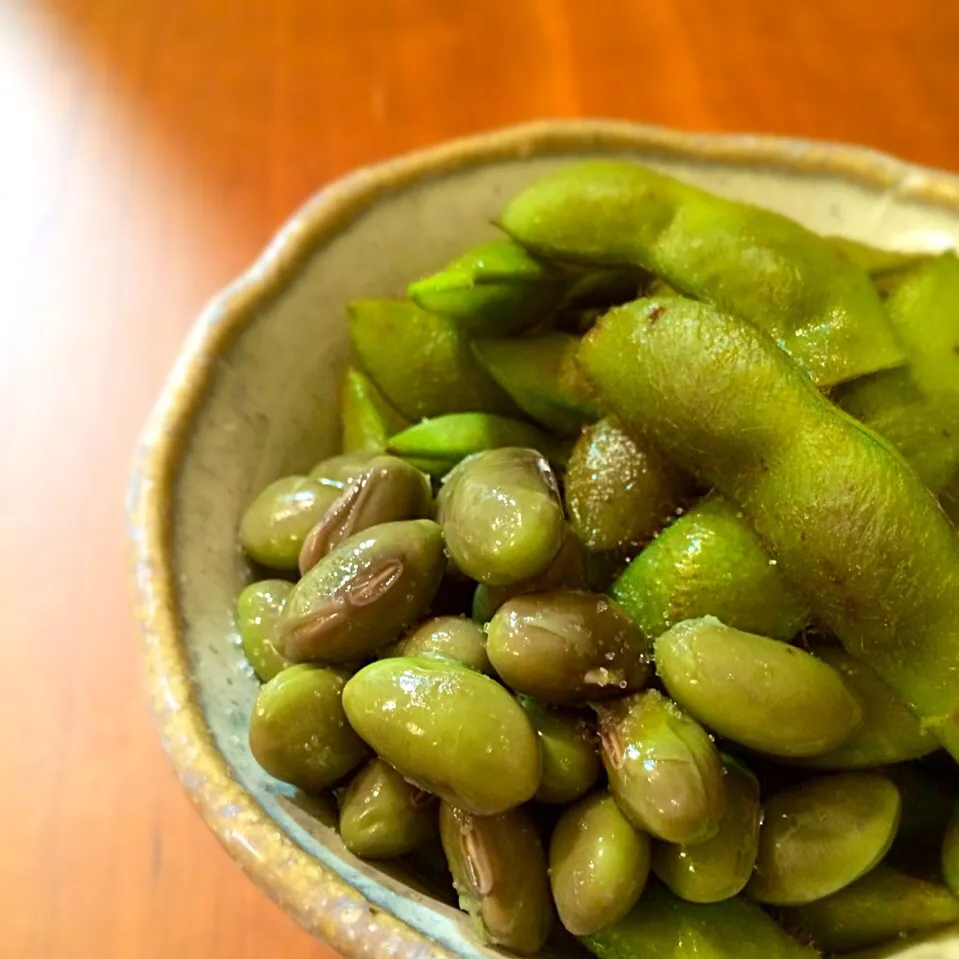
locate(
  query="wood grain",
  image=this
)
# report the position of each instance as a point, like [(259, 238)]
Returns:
[(149, 151)]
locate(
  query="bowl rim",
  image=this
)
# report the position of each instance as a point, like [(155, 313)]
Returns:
[(297, 881)]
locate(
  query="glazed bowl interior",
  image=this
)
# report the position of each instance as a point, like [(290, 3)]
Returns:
[(255, 397)]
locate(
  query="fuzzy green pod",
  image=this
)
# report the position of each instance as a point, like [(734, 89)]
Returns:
[(422, 362), (709, 562), (849, 523), (810, 299)]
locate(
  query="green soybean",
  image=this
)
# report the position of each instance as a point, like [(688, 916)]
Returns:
[(662, 926), (663, 768), (849, 523), (884, 904), (598, 865), (275, 524), (421, 361), (299, 732), (496, 288), (420, 715), (889, 732), (709, 562), (567, 646), (620, 489), (718, 868), (822, 835), (758, 692), (388, 490), (917, 409), (258, 610), (810, 299), (499, 871), (363, 594), (540, 374), (501, 516), (382, 815), (339, 471), (367, 419), (568, 570), (449, 637), (568, 748)]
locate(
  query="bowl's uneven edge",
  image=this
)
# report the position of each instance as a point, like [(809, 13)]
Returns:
[(314, 895)]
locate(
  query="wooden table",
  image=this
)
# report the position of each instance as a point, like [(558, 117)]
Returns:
[(149, 149)]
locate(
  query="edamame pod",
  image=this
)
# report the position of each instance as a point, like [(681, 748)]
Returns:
[(499, 871), (811, 300), (367, 420), (299, 732), (873, 259), (496, 289), (661, 926), (885, 904), (663, 768), (363, 594), (501, 516), (421, 361), (849, 523), (448, 637), (758, 692), (540, 374), (382, 815), (720, 867), (388, 490), (709, 562), (620, 489), (275, 524), (598, 865), (889, 732), (818, 837), (569, 752), (442, 442), (258, 610), (566, 646), (917, 409), (421, 716)]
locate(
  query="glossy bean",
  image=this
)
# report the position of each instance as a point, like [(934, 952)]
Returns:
[(620, 489), (363, 594), (275, 524), (758, 692), (299, 732), (720, 867), (499, 871), (448, 729), (386, 491), (663, 768), (382, 815), (598, 865), (566, 646), (258, 610), (501, 516), (822, 835)]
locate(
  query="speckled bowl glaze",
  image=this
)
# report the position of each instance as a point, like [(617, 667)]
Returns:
[(253, 396)]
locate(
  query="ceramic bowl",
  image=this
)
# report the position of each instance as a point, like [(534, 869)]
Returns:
[(253, 396)]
